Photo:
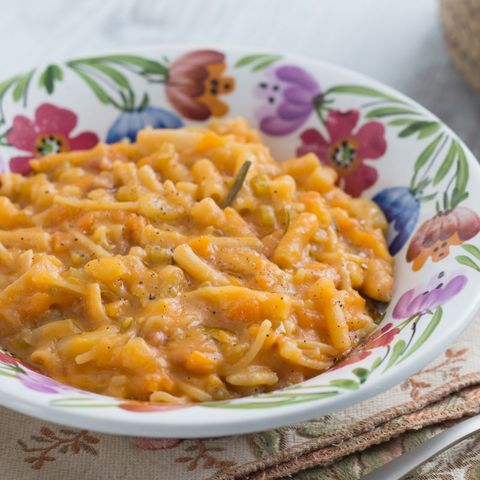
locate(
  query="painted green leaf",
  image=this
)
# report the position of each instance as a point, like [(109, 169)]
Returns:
[(5, 373), (472, 249), (397, 350), (95, 87), (434, 321), (429, 130), (112, 73), (412, 128), (457, 198), (424, 183), (294, 394), (428, 198), (467, 261), (147, 66), (21, 88), (462, 175), (6, 84), (446, 164), (361, 90), (14, 367), (249, 59), (461, 178), (57, 72), (82, 402), (300, 398), (48, 77), (401, 121), (346, 384), (265, 63), (387, 111), (446, 202), (361, 373), (418, 126), (375, 364), (427, 153)]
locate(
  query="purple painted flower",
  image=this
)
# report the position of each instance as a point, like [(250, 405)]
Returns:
[(288, 93), (421, 299), (41, 383)]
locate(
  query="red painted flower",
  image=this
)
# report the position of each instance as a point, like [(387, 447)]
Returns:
[(347, 149), (49, 132), (136, 406), (354, 358), (381, 337), (195, 83), (8, 359)]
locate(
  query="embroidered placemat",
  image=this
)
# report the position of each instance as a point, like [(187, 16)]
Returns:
[(346, 445)]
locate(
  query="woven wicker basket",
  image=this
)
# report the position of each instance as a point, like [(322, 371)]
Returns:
[(461, 26)]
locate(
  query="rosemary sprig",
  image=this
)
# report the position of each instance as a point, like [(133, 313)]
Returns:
[(237, 185)]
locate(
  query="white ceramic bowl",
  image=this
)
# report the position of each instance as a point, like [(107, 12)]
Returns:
[(420, 173)]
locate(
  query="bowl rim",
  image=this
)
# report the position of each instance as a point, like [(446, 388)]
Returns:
[(151, 425)]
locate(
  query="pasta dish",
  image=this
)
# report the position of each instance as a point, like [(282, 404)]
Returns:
[(188, 266)]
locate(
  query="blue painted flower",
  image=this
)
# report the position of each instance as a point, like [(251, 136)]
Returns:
[(130, 122), (402, 208)]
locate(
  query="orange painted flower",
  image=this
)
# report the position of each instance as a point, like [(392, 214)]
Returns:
[(435, 236), (195, 83), (136, 406)]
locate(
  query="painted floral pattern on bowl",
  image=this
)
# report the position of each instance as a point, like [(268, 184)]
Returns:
[(382, 145), (287, 99), (419, 300), (128, 123), (347, 148), (435, 236), (196, 83), (50, 131)]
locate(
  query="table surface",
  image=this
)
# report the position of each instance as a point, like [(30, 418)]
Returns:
[(399, 43)]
